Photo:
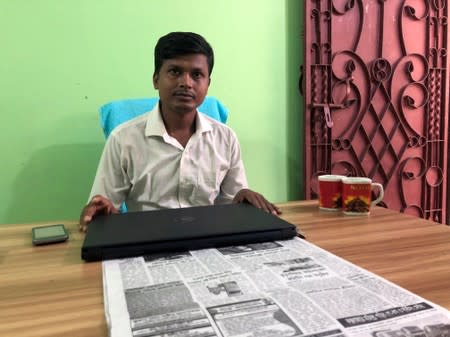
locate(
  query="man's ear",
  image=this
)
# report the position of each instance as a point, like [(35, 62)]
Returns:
[(155, 81), (209, 81)]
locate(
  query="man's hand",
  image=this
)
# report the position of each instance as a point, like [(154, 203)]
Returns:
[(98, 205), (257, 200)]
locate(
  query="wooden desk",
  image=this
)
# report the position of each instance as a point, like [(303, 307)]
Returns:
[(49, 291)]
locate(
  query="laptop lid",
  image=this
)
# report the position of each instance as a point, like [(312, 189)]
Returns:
[(141, 233)]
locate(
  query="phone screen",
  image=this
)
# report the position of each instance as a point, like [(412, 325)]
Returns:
[(44, 232), (49, 234)]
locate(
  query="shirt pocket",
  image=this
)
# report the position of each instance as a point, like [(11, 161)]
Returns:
[(208, 185)]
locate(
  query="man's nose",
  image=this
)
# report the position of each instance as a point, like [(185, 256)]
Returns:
[(185, 80)]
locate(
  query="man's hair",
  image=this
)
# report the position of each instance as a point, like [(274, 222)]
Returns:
[(177, 44)]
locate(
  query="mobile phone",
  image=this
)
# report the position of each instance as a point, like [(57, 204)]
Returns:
[(49, 234)]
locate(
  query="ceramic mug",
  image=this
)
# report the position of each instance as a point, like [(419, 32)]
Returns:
[(357, 195), (330, 192)]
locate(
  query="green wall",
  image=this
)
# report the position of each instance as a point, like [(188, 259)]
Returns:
[(61, 59)]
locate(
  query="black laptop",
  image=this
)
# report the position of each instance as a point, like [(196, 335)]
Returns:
[(141, 233)]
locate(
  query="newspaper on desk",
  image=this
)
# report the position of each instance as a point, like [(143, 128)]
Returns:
[(283, 288)]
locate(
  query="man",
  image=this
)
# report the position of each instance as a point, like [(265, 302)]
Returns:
[(173, 156)]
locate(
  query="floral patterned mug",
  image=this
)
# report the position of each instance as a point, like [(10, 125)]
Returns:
[(357, 195), (330, 192)]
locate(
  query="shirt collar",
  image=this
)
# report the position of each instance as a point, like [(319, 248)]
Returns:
[(155, 124)]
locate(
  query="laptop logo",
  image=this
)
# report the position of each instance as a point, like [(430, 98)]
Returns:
[(184, 219)]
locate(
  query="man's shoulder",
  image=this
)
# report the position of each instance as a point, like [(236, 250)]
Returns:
[(136, 124), (218, 126)]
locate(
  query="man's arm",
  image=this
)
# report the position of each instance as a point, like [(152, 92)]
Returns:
[(111, 179), (235, 187), (111, 184)]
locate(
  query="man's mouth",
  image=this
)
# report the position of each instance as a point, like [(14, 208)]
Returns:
[(184, 94)]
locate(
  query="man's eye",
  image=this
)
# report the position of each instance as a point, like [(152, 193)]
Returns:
[(174, 72), (197, 75)]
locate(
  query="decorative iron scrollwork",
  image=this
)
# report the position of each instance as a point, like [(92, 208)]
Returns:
[(382, 91)]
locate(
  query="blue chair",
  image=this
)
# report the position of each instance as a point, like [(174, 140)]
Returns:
[(117, 112)]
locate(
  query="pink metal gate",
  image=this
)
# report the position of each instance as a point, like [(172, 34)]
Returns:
[(375, 86)]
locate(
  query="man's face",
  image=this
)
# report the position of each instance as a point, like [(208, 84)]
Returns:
[(182, 83)]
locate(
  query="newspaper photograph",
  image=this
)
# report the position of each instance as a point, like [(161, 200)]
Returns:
[(269, 289)]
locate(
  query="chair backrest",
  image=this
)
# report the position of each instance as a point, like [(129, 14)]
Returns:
[(116, 112)]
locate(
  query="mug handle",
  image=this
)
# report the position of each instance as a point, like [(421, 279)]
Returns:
[(380, 196)]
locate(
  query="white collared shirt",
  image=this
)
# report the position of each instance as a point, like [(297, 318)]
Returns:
[(144, 166)]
